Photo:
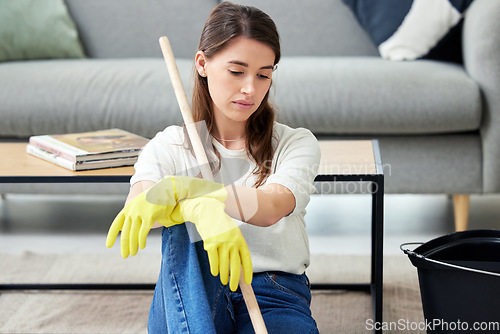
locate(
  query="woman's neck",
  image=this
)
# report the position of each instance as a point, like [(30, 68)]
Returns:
[(231, 140)]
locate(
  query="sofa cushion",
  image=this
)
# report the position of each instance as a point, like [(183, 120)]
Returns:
[(37, 30), (411, 29), (367, 95), (330, 95), (44, 97), (131, 28)]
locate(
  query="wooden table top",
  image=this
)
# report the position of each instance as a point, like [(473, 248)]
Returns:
[(340, 157), (347, 157), (16, 162)]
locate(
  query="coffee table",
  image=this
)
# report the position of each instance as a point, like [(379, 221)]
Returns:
[(17, 166), (342, 161)]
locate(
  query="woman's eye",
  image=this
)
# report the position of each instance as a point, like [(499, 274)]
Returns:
[(235, 72), (262, 76)]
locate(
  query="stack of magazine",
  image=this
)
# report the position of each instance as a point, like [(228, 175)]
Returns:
[(88, 150)]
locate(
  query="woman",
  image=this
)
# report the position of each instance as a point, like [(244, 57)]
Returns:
[(268, 168)]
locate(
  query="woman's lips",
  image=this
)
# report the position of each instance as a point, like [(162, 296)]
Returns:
[(244, 105)]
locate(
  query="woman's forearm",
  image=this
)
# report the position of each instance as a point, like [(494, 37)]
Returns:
[(261, 207)]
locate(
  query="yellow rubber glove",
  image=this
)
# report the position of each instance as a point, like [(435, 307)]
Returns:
[(156, 204), (172, 189), (135, 221), (222, 239)]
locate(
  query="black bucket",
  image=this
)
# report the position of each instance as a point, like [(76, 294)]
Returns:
[(459, 277)]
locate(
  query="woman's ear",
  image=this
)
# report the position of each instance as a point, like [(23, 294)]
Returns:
[(200, 61)]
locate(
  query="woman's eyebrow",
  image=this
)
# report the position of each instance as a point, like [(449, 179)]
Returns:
[(237, 62)]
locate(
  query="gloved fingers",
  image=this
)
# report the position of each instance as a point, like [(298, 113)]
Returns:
[(134, 235), (224, 263), (114, 229), (124, 238), (213, 259), (246, 264), (247, 271), (143, 234), (235, 268)]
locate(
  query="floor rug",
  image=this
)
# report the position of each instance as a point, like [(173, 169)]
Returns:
[(336, 311)]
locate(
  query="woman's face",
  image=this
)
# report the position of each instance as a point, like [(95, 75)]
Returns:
[(238, 77)]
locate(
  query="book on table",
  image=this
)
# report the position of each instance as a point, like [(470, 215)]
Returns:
[(88, 150)]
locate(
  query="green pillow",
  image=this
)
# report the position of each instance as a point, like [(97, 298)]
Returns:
[(37, 29)]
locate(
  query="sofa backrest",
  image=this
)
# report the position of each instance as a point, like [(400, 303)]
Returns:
[(316, 28), (131, 28)]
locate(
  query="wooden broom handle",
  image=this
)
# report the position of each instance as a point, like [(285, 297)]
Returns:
[(201, 157)]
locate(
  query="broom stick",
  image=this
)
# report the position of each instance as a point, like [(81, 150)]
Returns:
[(201, 157)]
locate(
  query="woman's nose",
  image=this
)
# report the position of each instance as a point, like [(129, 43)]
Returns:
[(248, 87)]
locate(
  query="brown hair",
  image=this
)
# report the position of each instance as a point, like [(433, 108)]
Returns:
[(226, 22)]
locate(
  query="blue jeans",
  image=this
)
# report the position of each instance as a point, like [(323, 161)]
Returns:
[(188, 299)]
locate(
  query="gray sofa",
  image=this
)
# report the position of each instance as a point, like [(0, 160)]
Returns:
[(438, 123)]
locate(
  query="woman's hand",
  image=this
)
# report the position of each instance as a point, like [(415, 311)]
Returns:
[(156, 206), (222, 239), (135, 221)]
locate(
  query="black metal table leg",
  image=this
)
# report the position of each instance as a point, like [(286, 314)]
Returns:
[(377, 248)]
